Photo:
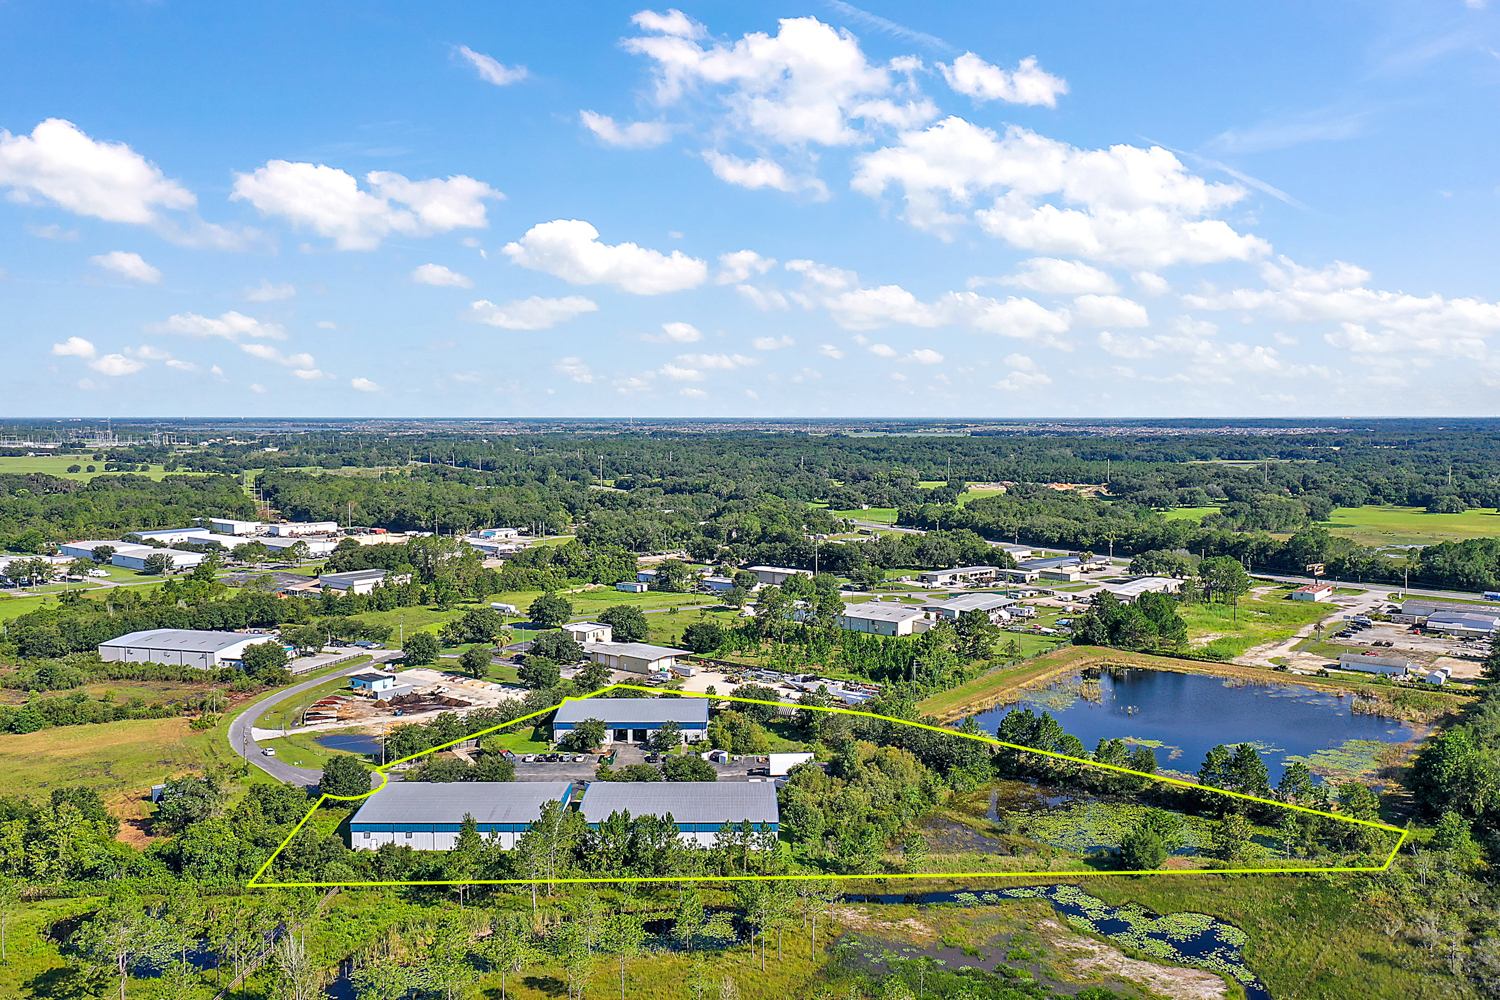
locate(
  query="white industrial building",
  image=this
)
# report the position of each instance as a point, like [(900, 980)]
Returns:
[(230, 526), (590, 632), (994, 605), (634, 720), (883, 618), (1390, 666), (1128, 591), (427, 816), (135, 556), (356, 581), (180, 647), (171, 536), (288, 529), (700, 809), (959, 576), (775, 576), (636, 657), (1321, 592)]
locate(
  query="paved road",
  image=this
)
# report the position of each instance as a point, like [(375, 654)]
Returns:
[(1381, 588), (239, 727)]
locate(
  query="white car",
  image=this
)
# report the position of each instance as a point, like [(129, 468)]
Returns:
[(268, 752)]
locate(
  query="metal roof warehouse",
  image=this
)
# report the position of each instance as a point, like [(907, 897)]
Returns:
[(181, 647), (699, 808), (633, 720), (427, 815)]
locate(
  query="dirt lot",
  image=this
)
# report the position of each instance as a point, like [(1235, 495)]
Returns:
[(1423, 648)]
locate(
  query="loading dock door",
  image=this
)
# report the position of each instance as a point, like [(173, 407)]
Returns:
[(638, 735)]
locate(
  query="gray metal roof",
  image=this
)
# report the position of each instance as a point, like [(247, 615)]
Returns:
[(353, 576), (1478, 618), (448, 801), (640, 650), (647, 712), (185, 640), (1422, 608), (1393, 662), (969, 602), (687, 801)]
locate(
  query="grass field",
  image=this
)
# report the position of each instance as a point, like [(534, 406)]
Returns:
[(1188, 513), (112, 758), (879, 515), (1377, 526), (57, 465), (1229, 631)]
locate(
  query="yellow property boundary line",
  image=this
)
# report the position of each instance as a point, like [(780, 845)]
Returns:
[(255, 882)]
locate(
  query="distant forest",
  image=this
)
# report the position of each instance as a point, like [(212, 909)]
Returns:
[(733, 493)]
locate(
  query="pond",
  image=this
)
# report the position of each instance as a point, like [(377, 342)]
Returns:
[(1182, 716), (350, 743), (1191, 939)]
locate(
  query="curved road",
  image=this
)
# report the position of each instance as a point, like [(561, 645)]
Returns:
[(240, 726)]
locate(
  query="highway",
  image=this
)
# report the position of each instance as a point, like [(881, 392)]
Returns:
[(241, 724)]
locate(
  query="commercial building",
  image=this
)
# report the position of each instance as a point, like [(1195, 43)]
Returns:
[(959, 576), (994, 605), (1128, 591), (503, 534), (316, 546), (718, 584), (135, 556), (229, 526), (775, 576), (634, 720), (358, 581), (427, 816), (373, 682), (171, 536), (180, 647), (700, 809), (1416, 611), (636, 657), (1314, 592), (885, 618), (1020, 553), (590, 632), (632, 587), (1390, 666), (781, 763), (289, 529), (495, 548), (1476, 624)]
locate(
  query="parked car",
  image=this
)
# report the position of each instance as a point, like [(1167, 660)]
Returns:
[(653, 758), (268, 752), (580, 758), (528, 758)]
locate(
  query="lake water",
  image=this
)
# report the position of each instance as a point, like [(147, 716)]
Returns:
[(349, 743), (1182, 716)]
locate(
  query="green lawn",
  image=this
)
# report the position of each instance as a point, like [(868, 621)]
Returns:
[(880, 515), (1188, 513), (57, 465), (1376, 526), (1229, 631), (113, 757)]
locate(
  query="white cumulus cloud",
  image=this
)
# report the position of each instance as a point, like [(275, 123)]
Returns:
[(675, 333), (925, 356), (128, 265), (631, 135), (760, 173), (437, 274), (364, 385), (575, 369), (491, 71), (106, 180), (723, 362), (535, 313), (680, 374), (75, 347), (332, 204), (772, 343), (1051, 276), (267, 292), (1028, 83), (231, 326), (570, 249), (741, 265), (1110, 310)]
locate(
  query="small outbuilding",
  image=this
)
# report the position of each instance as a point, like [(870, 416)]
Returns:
[(590, 632), (1389, 666), (1314, 592), (373, 682)]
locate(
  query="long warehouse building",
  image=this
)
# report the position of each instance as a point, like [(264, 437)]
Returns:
[(634, 720), (427, 815), (700, 809), (181, 647)]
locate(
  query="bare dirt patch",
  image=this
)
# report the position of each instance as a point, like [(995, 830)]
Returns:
[(1089, 959), (858, 919)]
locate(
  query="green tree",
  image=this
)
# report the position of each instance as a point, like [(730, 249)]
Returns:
[(387, 980), (261, 657), (1231, 838), (704, 636), (1151, 841), (508, 949), (159, 563), (624, 935), (550, 610), (475, 661), (667, 738), (586, 735), (689, 767), (121, 936), (1224, 579), (10, 896), (102, 553), (344, 776), (560, 647), (977, 634), (189, 799), (296, 976), (420, 649), (592, 676), (539, 673), (627, 624), (1491, 666)]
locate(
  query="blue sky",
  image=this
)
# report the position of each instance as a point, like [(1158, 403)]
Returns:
[(982, 210)]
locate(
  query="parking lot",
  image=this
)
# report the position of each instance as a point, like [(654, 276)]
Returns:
[(625, 754)]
